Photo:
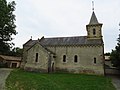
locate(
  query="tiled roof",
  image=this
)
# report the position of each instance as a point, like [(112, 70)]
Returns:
[(11, 58)]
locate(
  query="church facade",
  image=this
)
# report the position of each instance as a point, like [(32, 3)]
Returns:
[(79, 54)]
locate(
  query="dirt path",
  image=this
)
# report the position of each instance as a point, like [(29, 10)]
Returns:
[(4, 72)]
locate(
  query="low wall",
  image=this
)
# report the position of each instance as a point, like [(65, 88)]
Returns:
[(112, 71)]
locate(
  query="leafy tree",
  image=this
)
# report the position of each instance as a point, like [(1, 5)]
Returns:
[(7, 25), (115, 54), (16, 52)]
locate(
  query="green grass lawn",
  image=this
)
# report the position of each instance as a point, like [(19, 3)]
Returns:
[(21, 80)]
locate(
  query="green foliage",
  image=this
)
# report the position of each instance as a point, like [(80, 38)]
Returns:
[(115, 55), (16, 52), (7, 25), (22, 80), (4, 48)]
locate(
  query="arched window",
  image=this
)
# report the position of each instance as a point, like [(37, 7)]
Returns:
[(64, 58), (75, 59), (94, 31), (94, 60)]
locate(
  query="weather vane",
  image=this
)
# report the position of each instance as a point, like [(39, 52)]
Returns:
[(93, 5)]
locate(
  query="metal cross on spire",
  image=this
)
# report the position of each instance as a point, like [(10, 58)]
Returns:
[(93, 5)]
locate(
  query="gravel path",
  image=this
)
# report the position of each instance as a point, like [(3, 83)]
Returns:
[(4, 72), (115, 81)]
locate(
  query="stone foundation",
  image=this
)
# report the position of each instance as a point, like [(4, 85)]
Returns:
[(83, 71), (36, 70)]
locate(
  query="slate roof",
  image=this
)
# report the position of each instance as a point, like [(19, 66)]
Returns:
[(61, 41), (93, 19), (30, 42)]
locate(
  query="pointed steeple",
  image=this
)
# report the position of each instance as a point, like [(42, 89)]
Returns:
[(93, 19), (94, 28)]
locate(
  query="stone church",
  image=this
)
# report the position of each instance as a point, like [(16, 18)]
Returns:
[(79, 54)]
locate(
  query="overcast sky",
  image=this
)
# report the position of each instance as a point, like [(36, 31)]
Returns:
[(62, 18)]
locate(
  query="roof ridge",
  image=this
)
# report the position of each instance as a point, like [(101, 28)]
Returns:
[(64, 37)]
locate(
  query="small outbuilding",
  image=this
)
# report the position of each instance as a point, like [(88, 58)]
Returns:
[(107, 58), (10, 61)]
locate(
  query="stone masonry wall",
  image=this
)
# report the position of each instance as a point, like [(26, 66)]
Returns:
[(86, 55), (42, 64)]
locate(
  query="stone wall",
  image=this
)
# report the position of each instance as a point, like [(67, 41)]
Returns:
[(86, 55), (42, 61), (112, 71), (24, 58), (85, 63), (98, 31)]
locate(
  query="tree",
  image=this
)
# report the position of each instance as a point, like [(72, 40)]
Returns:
[(115, 54), (7, 25), (16, 52)]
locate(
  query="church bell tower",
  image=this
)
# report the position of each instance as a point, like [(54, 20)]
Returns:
[(94, 28)]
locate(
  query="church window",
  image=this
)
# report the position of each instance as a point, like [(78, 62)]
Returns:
[(94, 31), (75, 59), (36, 58), (64, 58), (94, 60)]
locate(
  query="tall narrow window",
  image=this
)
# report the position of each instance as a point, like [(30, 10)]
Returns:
[(64, 58), (36, 58), (75, 59), (94, 31), (94, 60)]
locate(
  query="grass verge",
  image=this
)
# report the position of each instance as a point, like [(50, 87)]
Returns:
[(22, 80)]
